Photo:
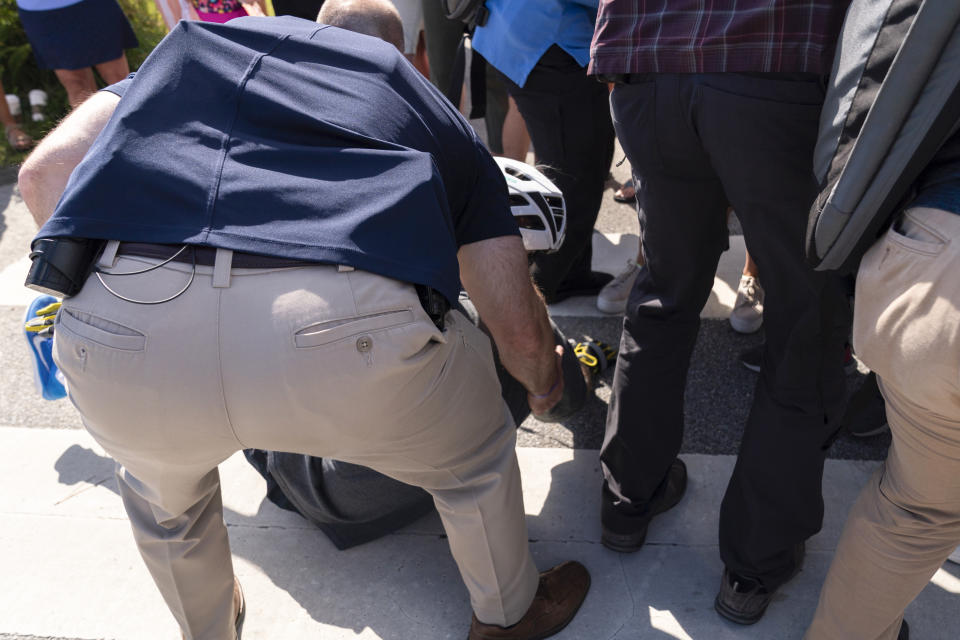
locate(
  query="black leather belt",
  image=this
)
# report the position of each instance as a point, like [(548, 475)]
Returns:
[(434, 303), (206, 256)]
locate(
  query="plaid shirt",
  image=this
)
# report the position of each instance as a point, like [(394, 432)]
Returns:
[(704, 36)]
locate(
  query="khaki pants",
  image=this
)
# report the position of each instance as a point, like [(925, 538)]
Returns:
[(340, 364), (907, 519)]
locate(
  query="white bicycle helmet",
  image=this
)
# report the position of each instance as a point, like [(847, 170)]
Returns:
[(537, 206)]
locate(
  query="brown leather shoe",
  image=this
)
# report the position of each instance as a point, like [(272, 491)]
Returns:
[(559, 596)]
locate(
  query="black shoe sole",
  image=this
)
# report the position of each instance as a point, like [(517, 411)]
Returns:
[(735, 616), (623, 542)]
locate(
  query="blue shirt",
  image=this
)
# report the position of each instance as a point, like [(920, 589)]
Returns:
[(282, 137), (45, 5), (519, 32), (938, 186)]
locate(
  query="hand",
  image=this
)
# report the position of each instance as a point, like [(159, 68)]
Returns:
[(546, 400)]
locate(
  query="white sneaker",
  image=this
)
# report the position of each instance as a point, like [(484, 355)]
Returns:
[(955, 556), (613, 297), (747, 314)]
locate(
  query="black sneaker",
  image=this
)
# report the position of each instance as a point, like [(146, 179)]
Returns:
[(744, 600), (588, 284), (626, 533)]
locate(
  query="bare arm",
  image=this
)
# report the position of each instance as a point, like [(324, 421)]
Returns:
[(44, 174), (495, 274)]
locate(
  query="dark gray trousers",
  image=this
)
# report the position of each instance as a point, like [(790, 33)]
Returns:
[(698, 143)]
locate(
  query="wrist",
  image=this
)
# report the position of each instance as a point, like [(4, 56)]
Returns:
[(548, 393)]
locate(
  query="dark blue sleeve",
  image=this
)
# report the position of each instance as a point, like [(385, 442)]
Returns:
[(486, 212), (119, 88)]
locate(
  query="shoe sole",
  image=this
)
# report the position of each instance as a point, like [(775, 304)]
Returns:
[(623, 542), (610, 307), (734, 616), (745, 328)]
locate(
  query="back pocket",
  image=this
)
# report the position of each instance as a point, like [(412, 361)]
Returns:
[(323, 333), (100, 330)]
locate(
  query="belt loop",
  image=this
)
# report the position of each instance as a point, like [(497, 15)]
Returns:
[(221, 268), (109, 256)]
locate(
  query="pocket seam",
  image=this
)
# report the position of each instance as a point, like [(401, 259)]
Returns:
[(918, 246), (99, 336)]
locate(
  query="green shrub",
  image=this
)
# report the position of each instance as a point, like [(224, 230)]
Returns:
[(19, 71)]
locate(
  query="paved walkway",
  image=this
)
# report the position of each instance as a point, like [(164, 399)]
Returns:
[(71, 569)]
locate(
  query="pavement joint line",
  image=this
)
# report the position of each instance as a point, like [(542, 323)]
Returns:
[(65, 516), (90, 485)]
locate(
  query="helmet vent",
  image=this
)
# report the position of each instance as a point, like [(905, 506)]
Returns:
[(529, 222)]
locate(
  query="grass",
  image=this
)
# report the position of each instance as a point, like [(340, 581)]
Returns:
[(20, 74)]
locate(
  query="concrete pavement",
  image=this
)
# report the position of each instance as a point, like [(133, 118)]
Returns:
[(71, 569)]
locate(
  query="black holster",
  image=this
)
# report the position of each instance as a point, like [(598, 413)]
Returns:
[(61, 265)]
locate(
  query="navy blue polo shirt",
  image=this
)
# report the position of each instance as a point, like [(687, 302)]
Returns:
[(283, 137)]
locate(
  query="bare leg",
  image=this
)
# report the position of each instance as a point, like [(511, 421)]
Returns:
[(750, 267), (114, 70), (79, 84), (16, 137), (516, 140), (420, 57)]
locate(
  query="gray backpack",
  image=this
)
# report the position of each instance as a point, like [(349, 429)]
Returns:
[(892, 101)]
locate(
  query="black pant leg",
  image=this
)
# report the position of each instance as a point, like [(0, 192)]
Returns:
[(761, 131), (442, 38), (568, 117), (683, 231), (306, 9)]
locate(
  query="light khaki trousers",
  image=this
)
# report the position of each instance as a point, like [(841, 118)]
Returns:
[(338, 364), (906, 521)]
